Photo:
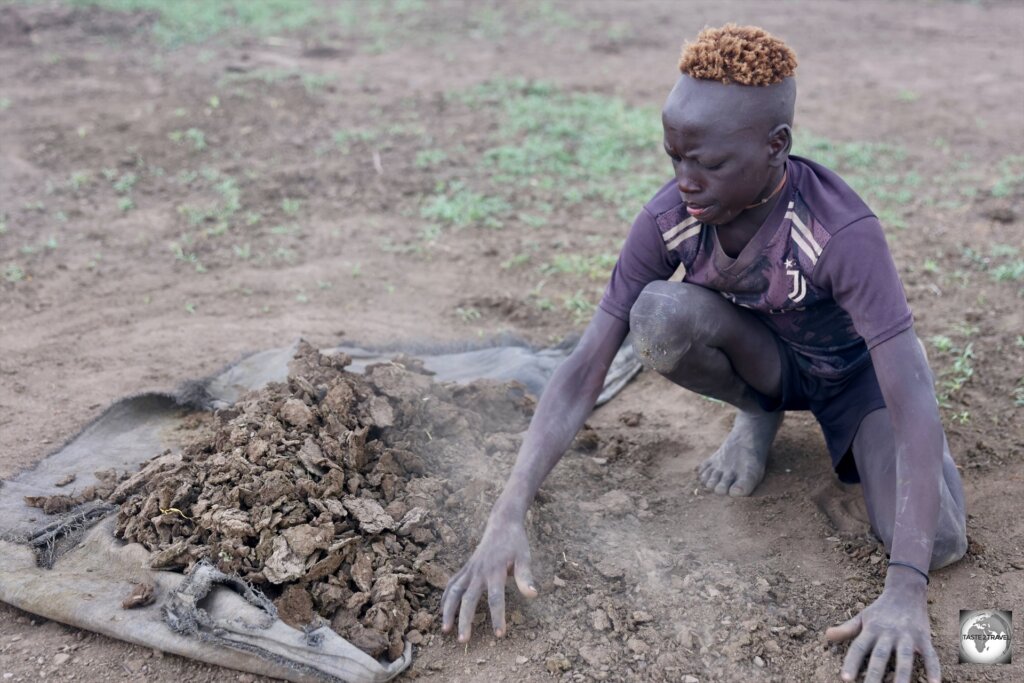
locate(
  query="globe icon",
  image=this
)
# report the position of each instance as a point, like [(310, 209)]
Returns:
[(985, 637)]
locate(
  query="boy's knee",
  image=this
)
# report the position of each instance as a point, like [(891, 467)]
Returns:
[(667, 319), (950, 543)]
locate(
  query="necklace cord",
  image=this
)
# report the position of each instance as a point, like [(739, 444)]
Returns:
[(778, 188)]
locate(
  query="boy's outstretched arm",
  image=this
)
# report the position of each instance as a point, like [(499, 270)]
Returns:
[(566, 403), (897, 622)]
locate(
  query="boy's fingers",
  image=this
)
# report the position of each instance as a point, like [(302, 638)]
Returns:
[(904, 661), (855, 657), (846, 630), (467, 610), (450, 601), (879, 661), (496, 601), (932, 668), (524, 578)]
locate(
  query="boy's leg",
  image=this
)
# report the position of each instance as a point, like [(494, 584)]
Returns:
[(874, 451), (700, 341)]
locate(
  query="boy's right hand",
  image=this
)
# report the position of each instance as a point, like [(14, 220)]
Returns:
[(503, 549)]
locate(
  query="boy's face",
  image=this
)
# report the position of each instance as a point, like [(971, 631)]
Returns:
[(720, 144)]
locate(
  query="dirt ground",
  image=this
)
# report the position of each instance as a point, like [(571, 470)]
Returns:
[(164, 210)]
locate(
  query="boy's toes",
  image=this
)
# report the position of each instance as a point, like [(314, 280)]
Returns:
[(714, 476), (742, 487), (725, 483)]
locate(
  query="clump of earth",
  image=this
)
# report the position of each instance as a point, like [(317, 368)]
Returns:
[(322, 492)]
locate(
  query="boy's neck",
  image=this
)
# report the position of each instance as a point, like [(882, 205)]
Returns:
[(732, 238)]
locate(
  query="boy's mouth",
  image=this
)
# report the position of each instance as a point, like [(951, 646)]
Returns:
[(696, 210)]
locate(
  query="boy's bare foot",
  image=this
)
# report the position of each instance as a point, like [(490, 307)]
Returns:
[(737, 467)]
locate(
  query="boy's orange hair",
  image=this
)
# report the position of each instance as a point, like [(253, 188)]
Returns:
[(746, 55)]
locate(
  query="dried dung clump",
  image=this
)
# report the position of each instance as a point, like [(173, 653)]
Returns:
[(322, 491)]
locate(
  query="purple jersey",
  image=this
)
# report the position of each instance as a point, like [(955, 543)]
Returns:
[(818, 272)]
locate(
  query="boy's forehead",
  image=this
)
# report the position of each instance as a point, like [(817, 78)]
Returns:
[(700, 118), (711, 107)]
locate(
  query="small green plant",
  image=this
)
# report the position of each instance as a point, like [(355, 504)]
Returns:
[(430, 233), (197, 138), (79, 179), (187, 257), (391, 246), (532, 220), (125, 204), (285, 254), (291, 206), (545, 304), (594, 267), (463, 207), (1018, 393), (343, 139), (243, 252), (468, 314), (1001, 262), (286, 229), (579, 306), (13, 273), (1009, 272), (516, 261), (194, 21), (194, 136), (314, 83), (1011, 176), (125, 183), (426, 158), (962, 370)]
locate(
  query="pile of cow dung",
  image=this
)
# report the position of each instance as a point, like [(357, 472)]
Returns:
[(322, 492)]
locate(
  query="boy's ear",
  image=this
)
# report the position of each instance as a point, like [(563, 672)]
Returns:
[(780, 142)]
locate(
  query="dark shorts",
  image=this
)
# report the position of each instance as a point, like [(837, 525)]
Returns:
[(838, 405)]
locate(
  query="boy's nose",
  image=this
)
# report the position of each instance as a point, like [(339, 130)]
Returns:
[(688, 185)]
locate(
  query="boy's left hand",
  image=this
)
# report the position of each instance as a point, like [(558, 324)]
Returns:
[(895, 623)]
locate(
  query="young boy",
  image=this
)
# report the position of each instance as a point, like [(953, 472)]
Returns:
[(760, 279)]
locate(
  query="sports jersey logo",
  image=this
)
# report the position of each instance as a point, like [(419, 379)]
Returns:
[(799, 290)]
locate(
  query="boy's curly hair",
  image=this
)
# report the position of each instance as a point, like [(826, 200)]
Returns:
[(746, 55)]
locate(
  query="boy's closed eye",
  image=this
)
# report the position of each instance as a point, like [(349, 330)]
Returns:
[(707, 165)]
